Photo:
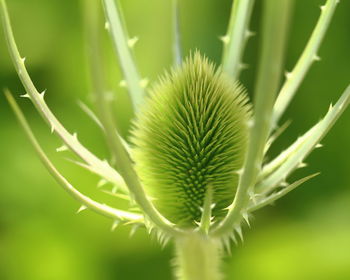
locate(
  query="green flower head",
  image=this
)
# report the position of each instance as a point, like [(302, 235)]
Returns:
[(191, 133)]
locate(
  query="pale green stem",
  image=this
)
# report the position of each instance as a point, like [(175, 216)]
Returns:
[(198, 258), (274, 29), (116, 26), (275, 196), (177, 53), (309, 55), (87, 202), (237, 35), (122, 159), (291, 159), (206, 218), (96, 120), (98, 166)]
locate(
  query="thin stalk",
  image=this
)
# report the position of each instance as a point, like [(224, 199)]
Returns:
[(116, 26), (236, 37), (177, 51), (123, 162), (295, 155), (198, 258), (309, 56), (87, 202), (96, 120), (275, 196), (206, 218), (274, 29), (100, 167)]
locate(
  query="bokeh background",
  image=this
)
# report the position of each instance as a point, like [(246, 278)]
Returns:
[(305, 236)]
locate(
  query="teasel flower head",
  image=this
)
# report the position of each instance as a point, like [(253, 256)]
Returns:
[(191, 133)]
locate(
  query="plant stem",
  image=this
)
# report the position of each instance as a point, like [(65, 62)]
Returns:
[(93, 163), (236, 37), (177, 51), (99, 208), (274, 29), (116, 26), (309, 55), (123, 162), (198, 257)]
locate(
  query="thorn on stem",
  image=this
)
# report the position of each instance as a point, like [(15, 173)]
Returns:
[(133, 230), (302, 165), (82, 208), (114, 225), (42, 94), (317, 58), (115, 189), (238, 229), (225, 39), (245, 216), (101, 183), (288, 75), (63, 148), (132, 42), (249, 33), (75, 136), (25, 95), (284, 184)]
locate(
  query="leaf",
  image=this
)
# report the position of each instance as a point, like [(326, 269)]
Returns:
[(84, 200), (290, 159), (275, 196), (70, 140)]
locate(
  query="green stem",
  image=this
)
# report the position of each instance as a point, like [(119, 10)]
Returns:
[(86, 201), (236, 37), (198, 257), (308, 57), (123, 161), (92, 162), (274, 29), (116, 26), (177, 51)]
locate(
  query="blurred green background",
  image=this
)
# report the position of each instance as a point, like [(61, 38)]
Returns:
[(305, 236)]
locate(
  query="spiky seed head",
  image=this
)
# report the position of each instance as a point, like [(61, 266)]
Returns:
[(191, 132)]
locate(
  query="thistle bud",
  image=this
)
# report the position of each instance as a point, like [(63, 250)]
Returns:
[(191, 132)]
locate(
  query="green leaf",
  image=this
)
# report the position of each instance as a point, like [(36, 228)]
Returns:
[(71, 141), (86, 202), (275, 196), (290, 159)]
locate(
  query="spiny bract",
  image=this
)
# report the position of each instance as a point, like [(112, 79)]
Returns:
[(191, 132)]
